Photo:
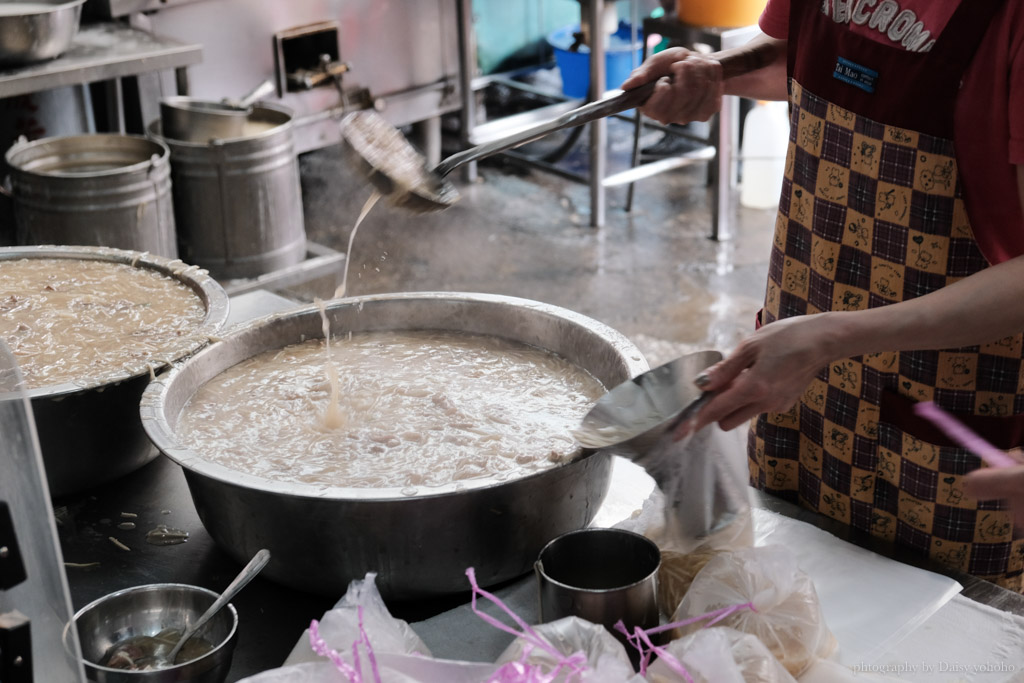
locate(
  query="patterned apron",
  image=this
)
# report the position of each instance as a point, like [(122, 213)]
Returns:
[(871, 214)]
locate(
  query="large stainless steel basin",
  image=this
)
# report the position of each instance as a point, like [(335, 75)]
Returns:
[(91, 433), (322, 538)]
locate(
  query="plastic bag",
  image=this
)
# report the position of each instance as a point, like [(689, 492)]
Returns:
[(787, 616), (360, 641), (719, 655), (340, 627), (604, 657), (706, 508), (392, 669), (704, 479)]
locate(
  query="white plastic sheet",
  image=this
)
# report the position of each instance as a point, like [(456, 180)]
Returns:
[(871, 603)]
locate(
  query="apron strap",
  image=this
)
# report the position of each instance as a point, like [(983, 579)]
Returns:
[(965, 30)]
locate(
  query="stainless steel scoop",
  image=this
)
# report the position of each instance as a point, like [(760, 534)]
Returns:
[(636, 413), (704, 487), (399, 171)]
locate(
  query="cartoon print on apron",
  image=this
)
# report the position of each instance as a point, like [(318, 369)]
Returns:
[(871, 214)]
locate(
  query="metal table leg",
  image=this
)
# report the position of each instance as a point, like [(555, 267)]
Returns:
[(428, 133), (637, 128), (467, 67), (114, 95), (181, 80), (726, 178), (722, 226), (598, 128)]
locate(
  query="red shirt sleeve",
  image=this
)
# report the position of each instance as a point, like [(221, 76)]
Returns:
[(774, 21), (1016, 98)]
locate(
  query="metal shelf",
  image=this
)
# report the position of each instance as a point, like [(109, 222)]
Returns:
[(725, 130), (101, 52)]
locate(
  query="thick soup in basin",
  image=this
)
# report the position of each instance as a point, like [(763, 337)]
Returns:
[(416, 409), (91, 321)]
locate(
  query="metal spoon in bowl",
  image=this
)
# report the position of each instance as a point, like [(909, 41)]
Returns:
[(398, 171), (248, 573)]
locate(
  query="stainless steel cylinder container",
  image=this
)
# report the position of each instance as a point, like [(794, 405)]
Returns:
[(322, 538), (91, 433), (237, 201), (603, 576), (93, 190)]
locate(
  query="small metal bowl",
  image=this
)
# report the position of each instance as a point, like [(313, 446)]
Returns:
[(145, 611), (37, 31)]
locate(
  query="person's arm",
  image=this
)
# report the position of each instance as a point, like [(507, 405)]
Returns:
[(769, 370), (767, 79), (1006, 483), (690, 85)]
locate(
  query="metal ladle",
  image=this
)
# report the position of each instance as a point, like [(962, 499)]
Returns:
[(398, 171), (248, 573)]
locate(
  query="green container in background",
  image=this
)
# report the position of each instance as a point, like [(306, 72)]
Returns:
[(516, 30)]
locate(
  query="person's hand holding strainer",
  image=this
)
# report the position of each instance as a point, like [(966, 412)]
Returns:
[(690, 86)]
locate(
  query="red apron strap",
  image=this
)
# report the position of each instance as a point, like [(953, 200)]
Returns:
[(967, 27)]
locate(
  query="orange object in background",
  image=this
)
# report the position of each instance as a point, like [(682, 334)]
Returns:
[(720, 12)]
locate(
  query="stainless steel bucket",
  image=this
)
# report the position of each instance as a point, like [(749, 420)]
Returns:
[(237, 201), (91, 433), (93, 190), (322, 538)]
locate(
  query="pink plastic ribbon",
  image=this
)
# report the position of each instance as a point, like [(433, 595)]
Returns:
[(964, 435), (520, 671), (640, 638), (352, 673), (642, 642), (320, 647)]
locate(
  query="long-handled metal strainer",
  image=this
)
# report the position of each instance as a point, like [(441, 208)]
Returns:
[(399, 171)]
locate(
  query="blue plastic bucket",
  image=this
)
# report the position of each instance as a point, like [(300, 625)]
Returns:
[(575, 66)]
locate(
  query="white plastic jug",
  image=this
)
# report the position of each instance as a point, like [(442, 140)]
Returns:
[(763, 152)]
